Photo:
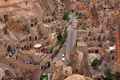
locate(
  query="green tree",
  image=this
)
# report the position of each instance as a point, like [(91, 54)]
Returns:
[(95, 63), (44, 77), (109, 75), (66, 16)]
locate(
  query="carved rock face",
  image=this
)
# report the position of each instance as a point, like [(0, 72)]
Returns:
[(28, 8), (67, 71), (15, 26)]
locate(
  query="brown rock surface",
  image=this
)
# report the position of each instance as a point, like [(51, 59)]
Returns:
[(77, 77)]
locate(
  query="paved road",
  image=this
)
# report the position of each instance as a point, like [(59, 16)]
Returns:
[(70, 41)]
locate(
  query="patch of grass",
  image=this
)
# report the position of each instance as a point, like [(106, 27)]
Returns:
[(50, 49)]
